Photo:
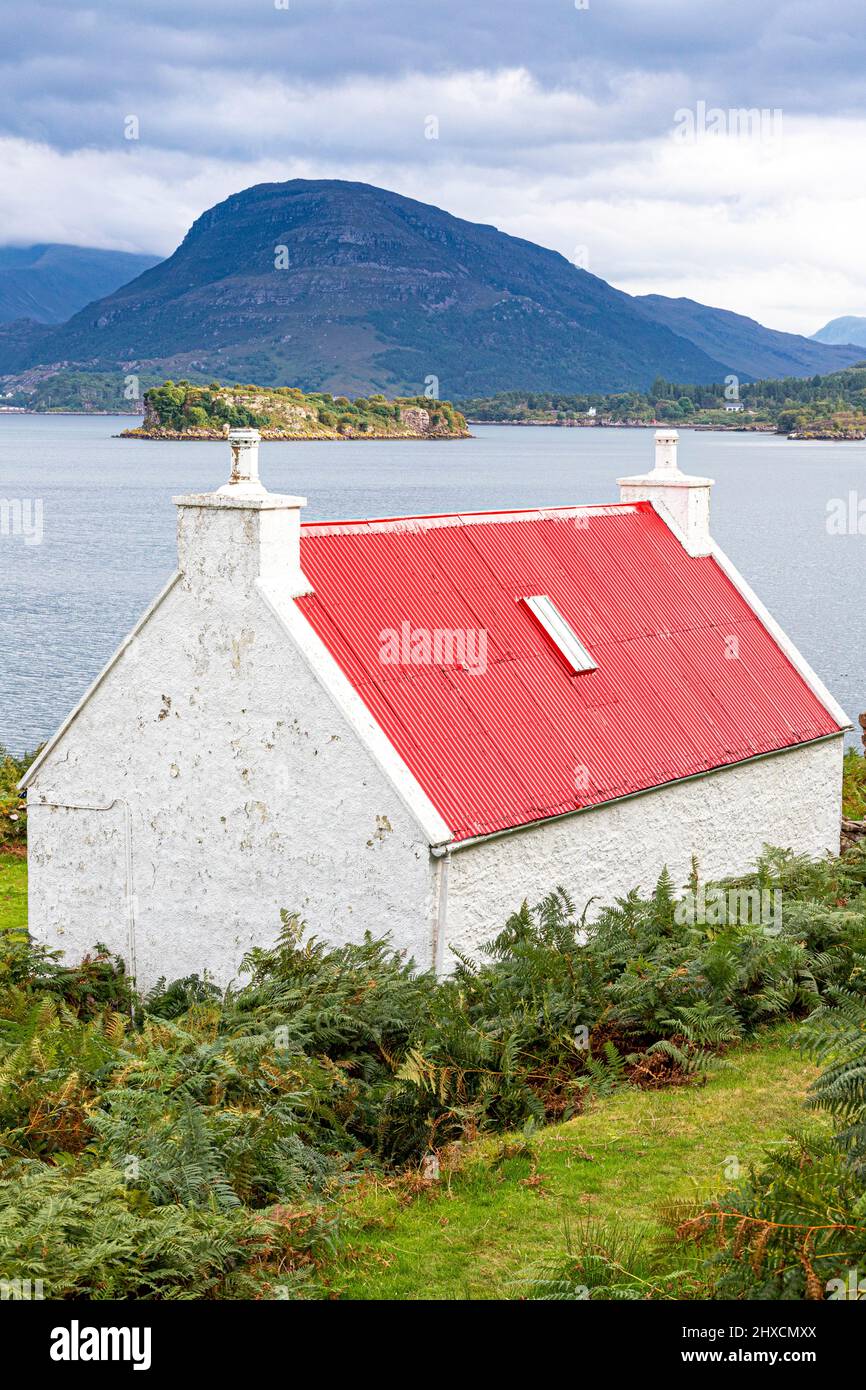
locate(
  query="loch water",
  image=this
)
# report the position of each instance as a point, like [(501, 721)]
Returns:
[(101, 541)]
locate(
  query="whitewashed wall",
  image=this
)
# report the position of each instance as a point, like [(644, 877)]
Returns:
[(791, 800), (235, 788)]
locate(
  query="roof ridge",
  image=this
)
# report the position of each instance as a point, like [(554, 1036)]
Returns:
[(430, 520)]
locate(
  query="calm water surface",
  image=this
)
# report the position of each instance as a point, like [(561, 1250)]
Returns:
[(109, 528)]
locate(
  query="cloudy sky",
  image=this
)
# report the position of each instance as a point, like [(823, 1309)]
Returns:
[(606, 129)]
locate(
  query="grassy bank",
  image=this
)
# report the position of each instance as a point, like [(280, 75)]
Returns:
[(13, 892), (511, 1207)]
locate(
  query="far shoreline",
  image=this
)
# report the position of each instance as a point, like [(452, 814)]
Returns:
[(795, 438), (631, 425)]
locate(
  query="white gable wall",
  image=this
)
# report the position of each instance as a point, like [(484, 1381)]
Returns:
[(791, 800), (213, 782)]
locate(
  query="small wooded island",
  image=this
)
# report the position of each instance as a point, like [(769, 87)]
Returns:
[(182, 410)]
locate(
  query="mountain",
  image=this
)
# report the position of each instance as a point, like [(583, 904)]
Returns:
[(751, 350), (348, 288), (49, 283), (848, 329), (379, 294), (20, 343)]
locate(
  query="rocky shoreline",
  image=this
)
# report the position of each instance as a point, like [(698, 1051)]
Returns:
[(830, 436), (209, 436)]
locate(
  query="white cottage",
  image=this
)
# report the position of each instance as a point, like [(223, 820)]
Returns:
[(410, 725)]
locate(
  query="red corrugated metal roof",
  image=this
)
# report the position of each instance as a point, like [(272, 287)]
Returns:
[(688, 677)]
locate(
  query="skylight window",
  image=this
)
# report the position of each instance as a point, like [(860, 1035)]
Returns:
[(560, 633)]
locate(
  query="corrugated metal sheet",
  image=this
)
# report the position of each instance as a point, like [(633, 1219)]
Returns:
[(688, 678)]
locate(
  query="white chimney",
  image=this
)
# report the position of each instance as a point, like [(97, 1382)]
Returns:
[(677, 497), (244, 477), (241, 534)]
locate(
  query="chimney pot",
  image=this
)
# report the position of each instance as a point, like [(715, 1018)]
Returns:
[(242, 534), (681, 500), (666, 451), (244, 475)]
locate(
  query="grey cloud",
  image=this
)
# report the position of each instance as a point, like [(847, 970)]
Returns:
[(553, 124), (69, 75)]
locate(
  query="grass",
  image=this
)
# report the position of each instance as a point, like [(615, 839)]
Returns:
[(854, 785), (13, 891), (507, 1211)]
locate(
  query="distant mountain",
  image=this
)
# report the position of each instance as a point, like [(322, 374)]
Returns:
[(19, 343), (50, 283), (751, 350), (348, 288), (848, 329), (379, 293)]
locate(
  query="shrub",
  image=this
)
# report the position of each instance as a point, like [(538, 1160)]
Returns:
[(86, 1232), (13, 807), (200, 1119)]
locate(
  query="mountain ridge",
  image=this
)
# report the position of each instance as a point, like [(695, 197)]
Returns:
[(759, 352), (349, 288), (50, 281), (849, 328)]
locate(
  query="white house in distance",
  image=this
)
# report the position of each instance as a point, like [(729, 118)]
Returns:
[(411, 725)]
